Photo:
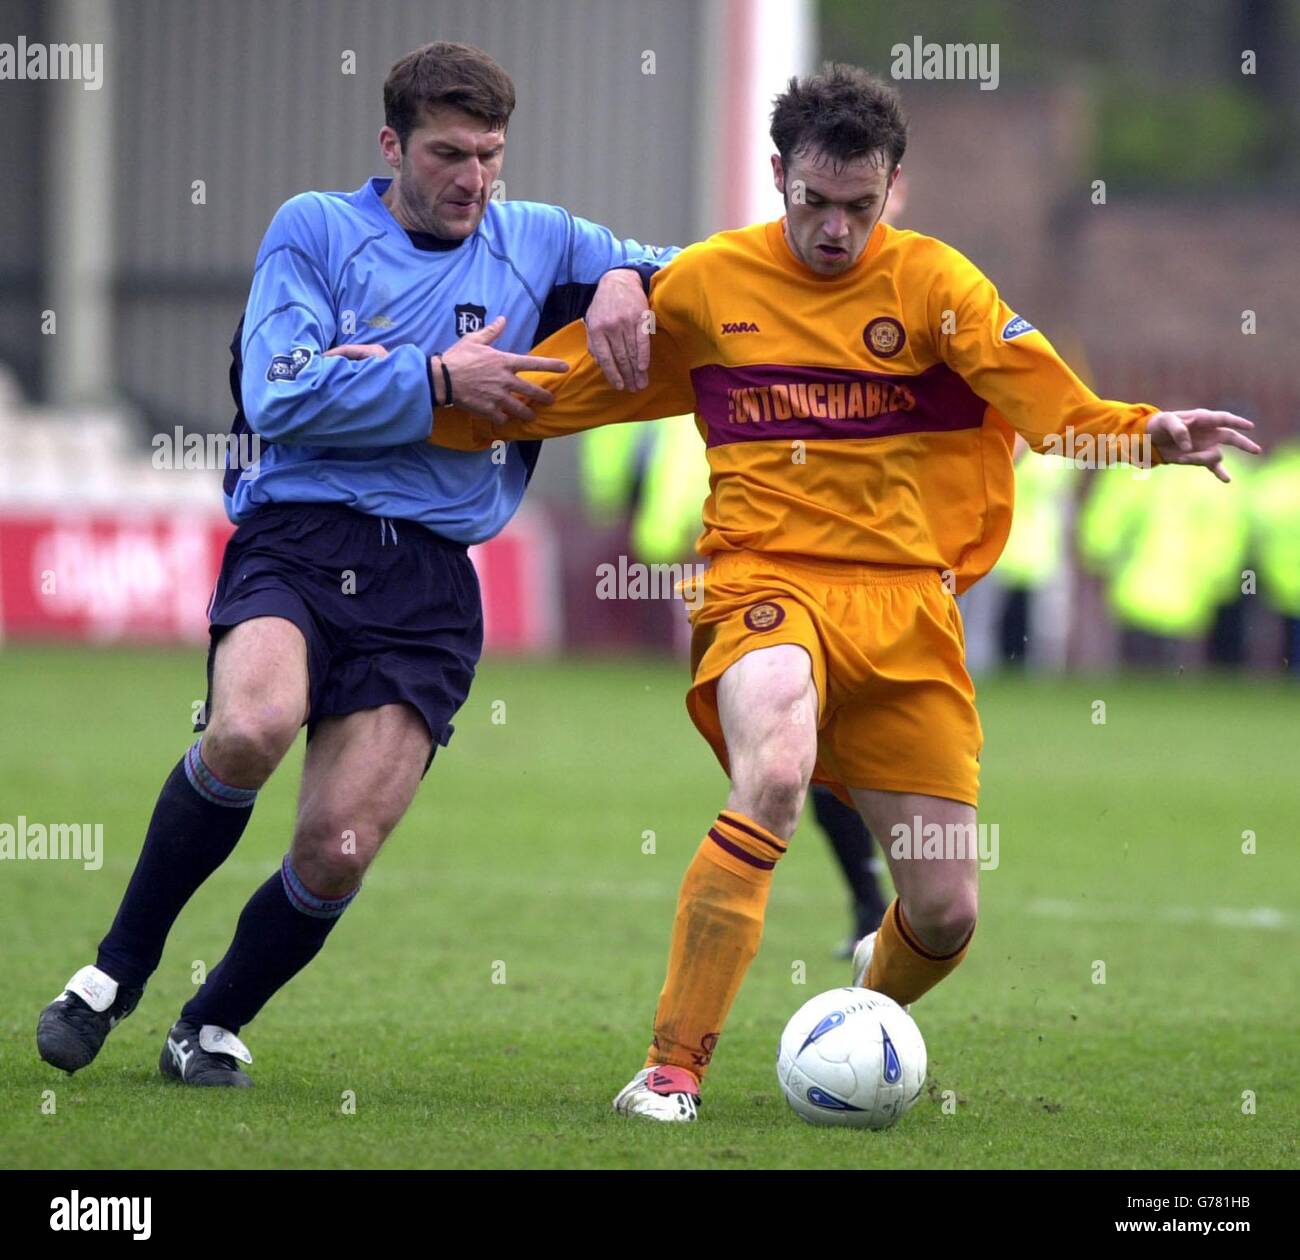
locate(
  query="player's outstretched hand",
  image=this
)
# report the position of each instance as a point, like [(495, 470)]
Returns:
[(618, 334), (1198, 436), (485, 381)]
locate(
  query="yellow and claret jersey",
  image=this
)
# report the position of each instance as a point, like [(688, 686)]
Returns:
[(866, 418)]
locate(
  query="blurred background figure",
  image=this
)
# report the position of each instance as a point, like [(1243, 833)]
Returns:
[(862, 867), (1275, 516), (1172, 553), (1012, 616)]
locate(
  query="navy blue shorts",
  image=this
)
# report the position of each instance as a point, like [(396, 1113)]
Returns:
[(390, 611)]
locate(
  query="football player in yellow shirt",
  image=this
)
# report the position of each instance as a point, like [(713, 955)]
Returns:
[(858, 389)]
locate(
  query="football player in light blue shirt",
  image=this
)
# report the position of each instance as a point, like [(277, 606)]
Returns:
[(341, 267), (346, 599)]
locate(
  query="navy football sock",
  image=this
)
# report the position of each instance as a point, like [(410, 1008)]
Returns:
[(195, 826), (852, 844), (280, 931)]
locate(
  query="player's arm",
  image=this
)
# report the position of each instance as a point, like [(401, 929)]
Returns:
[(584, 398), (291, 391), (1015, 369), (585, 256), (622, 271)]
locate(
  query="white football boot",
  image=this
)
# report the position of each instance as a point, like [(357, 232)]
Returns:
[(862, 952), (671, 1094), (862, 963)]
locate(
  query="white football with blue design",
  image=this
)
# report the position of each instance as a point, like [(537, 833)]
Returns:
[(851, 1057)]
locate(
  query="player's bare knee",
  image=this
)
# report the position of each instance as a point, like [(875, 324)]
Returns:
[(345, 839), (943, 922), (330, 857), (772, 792), (243, 748), (780, 801), (336, 875)]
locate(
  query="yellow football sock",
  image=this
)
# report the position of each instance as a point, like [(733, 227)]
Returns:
[(716, 933), (901, 967)]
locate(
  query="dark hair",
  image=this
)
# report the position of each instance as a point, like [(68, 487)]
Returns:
[(843, 112), (442, 74)]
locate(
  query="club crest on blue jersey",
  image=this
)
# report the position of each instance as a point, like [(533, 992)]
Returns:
[(1017, 326), (469, 318), (285, 367)]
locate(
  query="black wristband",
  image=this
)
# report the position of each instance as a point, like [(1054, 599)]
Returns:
[(433, 389), (446, 380)]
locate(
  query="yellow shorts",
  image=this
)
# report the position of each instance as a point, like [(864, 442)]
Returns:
[(896, 707)]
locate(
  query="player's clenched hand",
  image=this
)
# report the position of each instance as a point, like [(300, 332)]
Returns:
[(1198, 436), (485, 380), (618, 335)]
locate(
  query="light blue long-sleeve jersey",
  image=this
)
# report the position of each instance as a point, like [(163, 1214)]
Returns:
[(337, 268)]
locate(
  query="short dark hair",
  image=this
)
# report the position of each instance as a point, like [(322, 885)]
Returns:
[(843, 112), (445, 74)]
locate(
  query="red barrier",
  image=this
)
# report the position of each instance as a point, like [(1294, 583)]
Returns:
[(147, 577)]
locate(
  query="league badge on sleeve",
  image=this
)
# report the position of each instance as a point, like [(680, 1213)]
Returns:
[(1015, 327), (285, 367)]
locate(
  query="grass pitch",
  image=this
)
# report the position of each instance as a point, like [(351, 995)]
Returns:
[(522, 860)]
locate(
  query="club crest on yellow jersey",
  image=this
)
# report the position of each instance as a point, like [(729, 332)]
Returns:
[(884, 337), (765, 616)]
